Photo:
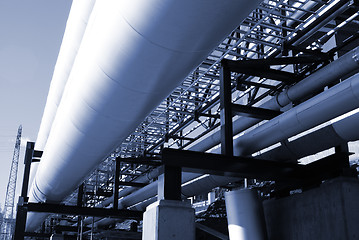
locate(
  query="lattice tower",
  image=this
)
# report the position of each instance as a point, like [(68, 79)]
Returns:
[(8, 222)]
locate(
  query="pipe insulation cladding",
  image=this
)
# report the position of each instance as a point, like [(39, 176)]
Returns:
[(335, 134), (132, 55), (75, 29), (245, 215), (338, 100)]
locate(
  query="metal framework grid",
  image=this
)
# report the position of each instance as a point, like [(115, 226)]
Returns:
[(192, 110)]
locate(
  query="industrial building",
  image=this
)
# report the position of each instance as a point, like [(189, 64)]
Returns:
[(199, 119)]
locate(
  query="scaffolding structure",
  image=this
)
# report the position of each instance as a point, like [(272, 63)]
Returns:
[(277, 28), (8, 221)]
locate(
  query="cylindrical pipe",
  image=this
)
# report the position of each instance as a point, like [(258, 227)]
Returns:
[(313, 83), (245, 215), (105, 77), (333, 135), (331, 103), (121, 74), (75, 29)]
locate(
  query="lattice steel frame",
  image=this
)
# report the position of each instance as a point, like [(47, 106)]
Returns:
[(191, 111)]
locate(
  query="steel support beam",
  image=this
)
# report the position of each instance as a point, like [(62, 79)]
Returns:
[(226, 109), (117, 183), (80, 195), (254, 112), (169, 185), (149, 161), (83, 211), (21, 213), (27, 161), (132, 184), (218, 164), (316, 57), (260, 71), (38, 235), (20, 224)]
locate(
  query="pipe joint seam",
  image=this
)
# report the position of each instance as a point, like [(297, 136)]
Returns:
[(285, 92)]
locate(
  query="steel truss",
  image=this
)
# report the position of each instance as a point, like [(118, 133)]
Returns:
[(276, 29)]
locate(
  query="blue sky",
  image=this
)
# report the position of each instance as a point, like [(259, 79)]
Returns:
[(30, 37)]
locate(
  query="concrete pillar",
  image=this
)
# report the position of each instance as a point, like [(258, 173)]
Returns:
[(169, 220), (245, 215), (329, 212)]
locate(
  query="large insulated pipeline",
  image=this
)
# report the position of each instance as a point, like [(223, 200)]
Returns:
[(335, 134), (133, 54), (315, 82), (75, 29)]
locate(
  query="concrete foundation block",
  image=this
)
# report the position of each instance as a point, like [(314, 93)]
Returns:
[(169, 220), (329, 212)]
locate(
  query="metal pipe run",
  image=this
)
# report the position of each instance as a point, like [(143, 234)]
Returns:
[(245, 215), (335, 134), (331, 103), (75, 28), (315, 82), (121, 74)]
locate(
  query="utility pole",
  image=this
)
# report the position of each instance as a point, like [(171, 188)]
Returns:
[(8, 223)]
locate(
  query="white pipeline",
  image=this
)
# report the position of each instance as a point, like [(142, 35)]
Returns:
[(331, 103), (133, 54)]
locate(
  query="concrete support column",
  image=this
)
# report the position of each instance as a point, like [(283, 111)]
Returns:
[(245, 215), (169, 220), (328, 212)]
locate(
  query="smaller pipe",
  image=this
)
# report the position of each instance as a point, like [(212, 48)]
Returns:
[(338, 133), (331, 103), (245, 215)]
